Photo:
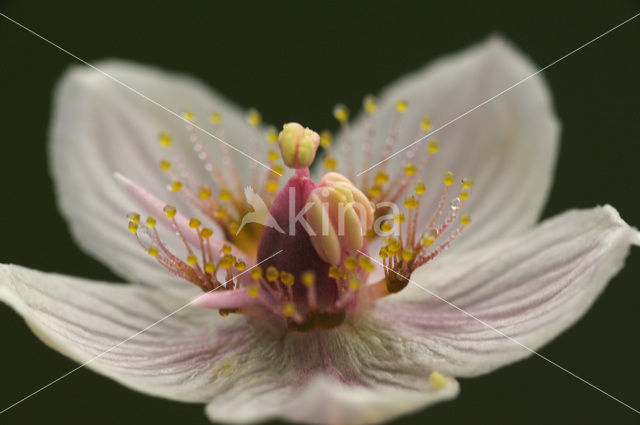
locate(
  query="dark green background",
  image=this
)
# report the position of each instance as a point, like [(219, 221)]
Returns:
[(294, 62)]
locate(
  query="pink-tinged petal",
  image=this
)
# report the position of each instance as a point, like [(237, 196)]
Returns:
[(86, 321), (529, 288), (100, 127), (507, 146)]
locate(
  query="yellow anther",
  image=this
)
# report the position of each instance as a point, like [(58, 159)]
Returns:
[(151, 222), (289, 309), (465, 220), (225, 195), (273, 155), (188, 115), (256, 272), (272, 135), (277, 170), (175, 186), (165, 165), (308, 278), (350, 263), (437, 380), (326, 138), (226, 262), (398, 218), (384, 252), (194, 223), (429, 238), (204, 192), (382, 177), (433, 146), (226, 249), (192, 259), (272, 274), (253, 291), (271, 186), (253, 117), (419, 188), (410, 202), (407, 254), (134, 216), (206, 232), (341, 113), (298, 145), (354, 284), (366, 264), (153, 251), (425, 123), (164, 139), (464, 194), (240, 265), (401, 106), (286, 278), (133, 227), (386, 226), (209, 267), (467, 183), (169, 211), (393, 246), (330, 163), (370, 104), (335, 272), (221, 213), (215, 118), (409, 169), (448, 178), (375, 191)]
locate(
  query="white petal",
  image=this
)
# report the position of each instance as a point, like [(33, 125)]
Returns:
[(529, 288), (507, 146), (100, 127), (87, 320)]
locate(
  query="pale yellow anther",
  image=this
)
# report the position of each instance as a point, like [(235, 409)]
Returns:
[(308, 278), (221, 213), (341, 113), (437, 380), (410, 169), (169, 211), (393, 246), (272, 135), (240, 265), (204, 193), (335, 272), (370, 104), (429, 238), (289, 310), (410, 202), (226, 262), (384, 253), (194, 223), (448, 178), (133, 227), (226, 249), (225, 195), (175, 186), (209, 267), (298, 145), (134, 216), (188, 115), (256, 272), (326, 138), (206, 232), (165, 165), (286, 278), (151, 222), (433, 146), (253, 117), (192, 259), (401, 106), (425, 123), (419, 188), (354, 284), (253, 291), (375, 191), (382, 177), (467, 183), (350, 263), (386, 226), (153, 251), (464, 194), (271, 186), (330, 163), (407, 254), (215, 118), (164, 139), (272, 274), (465, 220), (273, 155)]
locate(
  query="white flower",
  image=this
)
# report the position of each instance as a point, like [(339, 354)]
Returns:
[(389, 347)]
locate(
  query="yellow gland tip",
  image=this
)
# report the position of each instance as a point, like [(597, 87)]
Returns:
[(365, 263), (467, 183), (272, 274), (164, 139), (175, 186), (204, 193), (382, 177), (384, 253), (256, 272), (433, 146), (225, 195), (253, 117), (335, 272), (165, 165), (308, 278), (271, 186), (192, 259), (409, 169), (375, 191), (330, 163), (370, 104), (153, 251), (425, 123), (227, 262), (465, 220), (188, 115), (286, 278), (133, 227), (464, 194), (206, 232), (272, 135), (277, 170), (410, 202), (194, 223), (398, 218), (350, 263), (273, 155), (240, 265), (448, 178), (151, 222), (226, 249), (386, 226), (407, 254), (215, 118), (354, 284), (221, 213), (253, 291), (134, 216), (341, 113), (289, 309), (169, 211), (393, 246), (209, 267), (438, 380), (401, 106), (326, 138), (419, 188)]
